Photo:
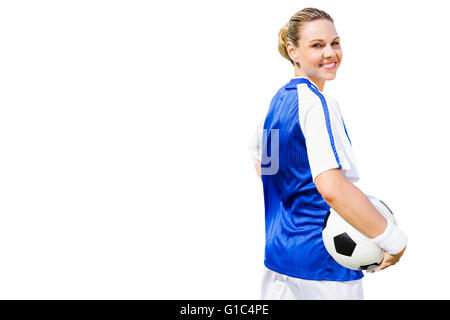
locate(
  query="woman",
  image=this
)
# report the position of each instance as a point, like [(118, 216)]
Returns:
[(307, 167)]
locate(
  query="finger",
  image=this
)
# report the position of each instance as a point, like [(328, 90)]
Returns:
[(376, 269), (383, 266), (371, 269)]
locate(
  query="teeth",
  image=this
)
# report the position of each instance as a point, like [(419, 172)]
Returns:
[(329, 65)]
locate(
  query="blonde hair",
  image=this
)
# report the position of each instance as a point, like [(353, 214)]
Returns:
[(290, 31)]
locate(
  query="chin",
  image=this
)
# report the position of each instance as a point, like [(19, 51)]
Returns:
[(322, 76), (328, 76)]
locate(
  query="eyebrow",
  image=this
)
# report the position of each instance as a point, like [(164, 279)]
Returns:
[(323, 40)]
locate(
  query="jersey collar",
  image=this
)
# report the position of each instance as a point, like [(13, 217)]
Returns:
[(295, 81)]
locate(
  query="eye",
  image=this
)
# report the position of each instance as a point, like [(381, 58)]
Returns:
[(318, 45)]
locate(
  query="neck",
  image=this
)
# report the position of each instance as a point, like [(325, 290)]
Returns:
[(320, 83)]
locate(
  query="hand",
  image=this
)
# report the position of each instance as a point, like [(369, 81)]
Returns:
[(389, 260)]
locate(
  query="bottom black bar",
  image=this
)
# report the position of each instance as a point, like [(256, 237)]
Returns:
[(219, 309)]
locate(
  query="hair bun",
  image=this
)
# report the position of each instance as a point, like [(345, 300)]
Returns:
[(282, 40)]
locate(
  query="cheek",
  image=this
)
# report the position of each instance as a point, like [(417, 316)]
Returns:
[(312, 58), (339, 54)]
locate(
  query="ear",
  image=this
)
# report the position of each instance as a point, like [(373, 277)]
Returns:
[(292, 51)]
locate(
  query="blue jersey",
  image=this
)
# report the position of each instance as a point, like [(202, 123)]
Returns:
[(294, 209)]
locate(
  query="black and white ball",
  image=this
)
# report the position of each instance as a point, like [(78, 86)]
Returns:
[(349, 247)]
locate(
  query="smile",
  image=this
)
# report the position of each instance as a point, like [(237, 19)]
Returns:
[(328, 66)]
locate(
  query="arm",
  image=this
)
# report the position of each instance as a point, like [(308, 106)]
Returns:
[(255, 146), (257, 164), (350, 202), (354, 207)]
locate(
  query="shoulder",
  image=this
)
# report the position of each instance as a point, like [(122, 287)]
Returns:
[(332, 105), (327, 102), (317, 105), (284, 95), (310, 98), (329, 98)]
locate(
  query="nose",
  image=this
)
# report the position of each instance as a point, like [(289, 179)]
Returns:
[(328, 52)]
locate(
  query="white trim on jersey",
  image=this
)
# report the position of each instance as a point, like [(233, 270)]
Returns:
[(327, 143)]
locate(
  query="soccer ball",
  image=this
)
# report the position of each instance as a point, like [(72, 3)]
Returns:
[(349, 247)]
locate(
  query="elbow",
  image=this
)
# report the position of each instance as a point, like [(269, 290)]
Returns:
[(329, 195), (329, 184)]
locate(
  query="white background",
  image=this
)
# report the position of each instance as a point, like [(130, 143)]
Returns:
[(124, 125)]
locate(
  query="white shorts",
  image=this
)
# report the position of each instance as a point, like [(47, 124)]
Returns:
[(277, 286)]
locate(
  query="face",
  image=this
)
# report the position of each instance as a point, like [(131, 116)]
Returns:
[(318, 53)]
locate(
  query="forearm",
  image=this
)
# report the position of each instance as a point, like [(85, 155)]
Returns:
[(355, 207)]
